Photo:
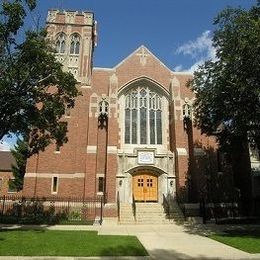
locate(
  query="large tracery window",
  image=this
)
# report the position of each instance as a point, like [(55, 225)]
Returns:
[(61, 43), (143, 116), (75, 44)]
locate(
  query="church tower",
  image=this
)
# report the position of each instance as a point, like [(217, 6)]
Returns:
[(74, 36)]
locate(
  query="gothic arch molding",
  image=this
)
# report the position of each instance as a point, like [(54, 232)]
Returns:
[(154, 170), (144, 80)]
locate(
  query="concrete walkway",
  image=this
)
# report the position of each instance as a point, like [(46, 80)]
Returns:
[(169, 242), (163, 242)]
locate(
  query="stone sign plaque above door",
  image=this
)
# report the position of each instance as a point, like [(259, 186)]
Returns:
[(145, 157)]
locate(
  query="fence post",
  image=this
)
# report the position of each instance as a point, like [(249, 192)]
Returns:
[(203, 210), (101, 210), (68, 206), (3, 210)]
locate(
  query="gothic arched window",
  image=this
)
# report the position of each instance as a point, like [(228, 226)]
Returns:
[(143, 117), (75, 44), (61, 43)]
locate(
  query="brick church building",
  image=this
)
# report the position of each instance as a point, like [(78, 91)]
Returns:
[(130, 132)]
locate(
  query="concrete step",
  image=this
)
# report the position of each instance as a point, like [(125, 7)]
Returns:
[(149, 213)]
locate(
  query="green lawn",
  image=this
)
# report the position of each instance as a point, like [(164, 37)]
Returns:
[(67, 243), (248, 241)]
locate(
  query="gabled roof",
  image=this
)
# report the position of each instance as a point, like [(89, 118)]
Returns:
[(139, 50), (143, 49)]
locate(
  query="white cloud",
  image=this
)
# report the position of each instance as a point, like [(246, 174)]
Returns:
[(4, 146), (200, 50), (178, 68)]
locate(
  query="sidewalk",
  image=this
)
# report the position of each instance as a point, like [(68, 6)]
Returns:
[(163, 242), (169, 242)]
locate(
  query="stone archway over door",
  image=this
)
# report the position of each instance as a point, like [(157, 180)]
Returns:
[(145, 186)]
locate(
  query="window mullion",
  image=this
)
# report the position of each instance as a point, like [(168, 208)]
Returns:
[(148, 116), (138, 116), (155, 126), (130, 130), (138, 119)]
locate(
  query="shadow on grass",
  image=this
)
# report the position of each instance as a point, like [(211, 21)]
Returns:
[(17, 227), (124, 251), (242, 233)]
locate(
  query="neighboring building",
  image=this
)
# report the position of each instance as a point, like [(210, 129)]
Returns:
[(6, 175), (255, 166), (129, 132)]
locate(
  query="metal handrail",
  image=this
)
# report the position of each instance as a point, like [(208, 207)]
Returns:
[(166, 206), (134, 208), (101, 210), (118, 206)]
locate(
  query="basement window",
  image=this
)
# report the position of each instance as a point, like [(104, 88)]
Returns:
[(100, 184), (54, 188)]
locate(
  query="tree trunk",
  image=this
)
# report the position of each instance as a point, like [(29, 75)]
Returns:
[(242, 172)]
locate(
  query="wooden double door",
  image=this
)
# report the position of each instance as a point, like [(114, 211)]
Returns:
[(145, 187)]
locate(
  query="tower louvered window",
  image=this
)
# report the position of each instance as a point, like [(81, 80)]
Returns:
[(143, 116)]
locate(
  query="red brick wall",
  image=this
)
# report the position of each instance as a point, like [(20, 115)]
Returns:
[(84, 132)]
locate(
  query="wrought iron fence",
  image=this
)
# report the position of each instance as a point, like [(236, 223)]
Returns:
[(50, 210)]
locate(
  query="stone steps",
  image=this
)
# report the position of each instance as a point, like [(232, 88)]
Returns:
[(149, 213), (146, 213)]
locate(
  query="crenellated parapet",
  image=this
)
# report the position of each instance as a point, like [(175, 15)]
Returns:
[(70, 17)]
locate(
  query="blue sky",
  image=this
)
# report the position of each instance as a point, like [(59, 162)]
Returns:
[(178, 32), (161, 25)]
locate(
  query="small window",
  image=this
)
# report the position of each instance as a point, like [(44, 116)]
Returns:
[(11, 187), (1, 183), (100, 184), (187, 111), (57, 148), (54, 185)]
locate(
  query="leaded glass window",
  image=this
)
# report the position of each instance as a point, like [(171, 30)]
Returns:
[(61, 43), (143, 116), (75, 44)]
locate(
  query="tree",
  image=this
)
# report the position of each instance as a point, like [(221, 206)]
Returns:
[(20, 153), (34, 90), (228, 91)]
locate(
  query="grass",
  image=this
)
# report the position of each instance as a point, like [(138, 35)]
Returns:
[(67, 243), (248, 241)]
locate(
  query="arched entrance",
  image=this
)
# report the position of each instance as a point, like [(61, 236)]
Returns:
[(145, 186)]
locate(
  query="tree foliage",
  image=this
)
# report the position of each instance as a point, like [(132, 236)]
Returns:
[(34, 90), (227, 90), (20, 153)]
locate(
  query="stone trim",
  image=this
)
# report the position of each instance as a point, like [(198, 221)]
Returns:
[(100, 175), (91, 149), (85, 86), (112, 149), (105, 69), (188, 73), (181, 152), (50, 175)]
